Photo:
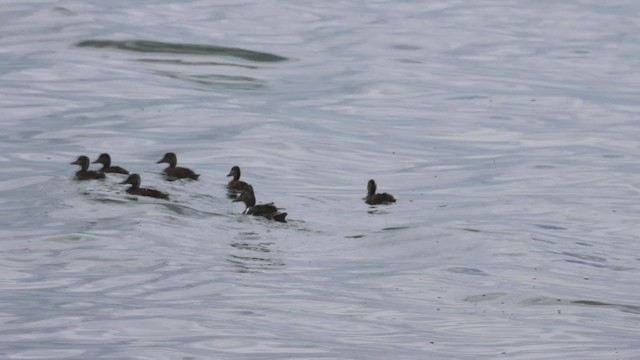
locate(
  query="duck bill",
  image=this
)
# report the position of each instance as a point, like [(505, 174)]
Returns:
[(230, 174), (77, 162)]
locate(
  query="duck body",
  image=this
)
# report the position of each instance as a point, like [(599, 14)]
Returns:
[(84, 173), (135, 189), (105, 160), (269, 211), (377, 199), (176, 172), (236, 184)]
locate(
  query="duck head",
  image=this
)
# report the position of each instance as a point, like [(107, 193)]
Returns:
[(103, 159), (133, 180), (235, 172), (169, 158), (83, 161)]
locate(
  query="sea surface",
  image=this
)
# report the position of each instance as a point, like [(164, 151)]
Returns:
[(508, 131)]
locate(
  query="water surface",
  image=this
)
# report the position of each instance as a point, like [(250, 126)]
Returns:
[(507, 130)]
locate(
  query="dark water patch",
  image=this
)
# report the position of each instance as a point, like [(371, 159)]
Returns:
[(542, 167), (188, 211), (411, 61), (550, 227), (467, 271), (471, 230), (147, 46), (541, 300), (395, 228), (469, 97), (633, 309), (63, 11), (585, 257), (484, 297), (375, 211), (581, 51), (583, 243), (542, 240), (196, 63), (354, 236), (406, 47), (544, 300)]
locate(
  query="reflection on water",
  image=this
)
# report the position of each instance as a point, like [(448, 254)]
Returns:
[(254, 257), (217, 80)]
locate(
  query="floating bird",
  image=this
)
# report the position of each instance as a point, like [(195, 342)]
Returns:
[(269, 210), (175, 172), (105, 160), (84, 173), (135, 189), (376, 199), (236, 183)]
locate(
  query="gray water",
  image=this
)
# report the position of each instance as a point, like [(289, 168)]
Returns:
[(507, 130)]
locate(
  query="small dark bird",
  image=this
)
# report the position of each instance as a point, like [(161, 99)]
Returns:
[(377, 199), (135, 189), (105, 160), (236, 183), (84, 173), (175, 172), (269, 210)]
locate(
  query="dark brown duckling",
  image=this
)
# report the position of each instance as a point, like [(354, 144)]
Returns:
[(269, 210), (236, 184), (105, 160), (377, 199), (175, 172), (135, 189), (84, 173)]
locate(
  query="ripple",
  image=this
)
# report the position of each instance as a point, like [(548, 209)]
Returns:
[(467, 271)]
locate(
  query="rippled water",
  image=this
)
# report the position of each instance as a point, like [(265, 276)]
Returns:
[(508, 131)]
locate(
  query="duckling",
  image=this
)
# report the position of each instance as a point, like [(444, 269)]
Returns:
[(84, 173), (236, 183), (269, 210), (135, 189), (376, 199), (175, 172), (105, 160)]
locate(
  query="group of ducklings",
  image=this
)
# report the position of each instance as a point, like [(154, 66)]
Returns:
[(174, 172)]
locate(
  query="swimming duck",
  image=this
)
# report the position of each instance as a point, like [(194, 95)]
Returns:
[(105, 160), (269, 210), (236, 183), (376, 199), (84, 173), (175, 172), (135, 189)]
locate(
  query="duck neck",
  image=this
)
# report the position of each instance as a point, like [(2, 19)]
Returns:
[(250, 200), (371, 191), (84, 166)]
